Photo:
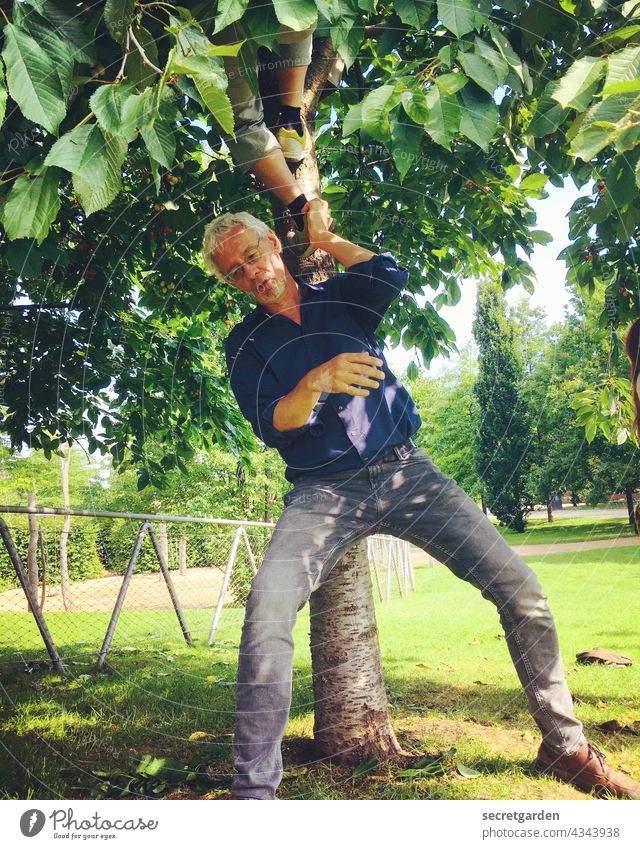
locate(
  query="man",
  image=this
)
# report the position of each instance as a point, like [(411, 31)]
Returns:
[(311, 378)]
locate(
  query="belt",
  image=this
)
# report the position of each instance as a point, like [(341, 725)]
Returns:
[(398, 452)]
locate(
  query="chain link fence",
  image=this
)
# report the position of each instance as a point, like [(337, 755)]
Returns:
[(93, 599)]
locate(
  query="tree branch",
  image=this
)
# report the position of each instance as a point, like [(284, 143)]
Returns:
[(120, 73), (145, 58)]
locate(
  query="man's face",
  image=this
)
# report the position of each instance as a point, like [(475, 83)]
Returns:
[(252, 263)]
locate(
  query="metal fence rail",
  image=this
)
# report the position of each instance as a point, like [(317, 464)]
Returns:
[(134, 579)]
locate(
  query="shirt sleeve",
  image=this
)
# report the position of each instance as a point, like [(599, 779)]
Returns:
[(258, 392), (368, 288)]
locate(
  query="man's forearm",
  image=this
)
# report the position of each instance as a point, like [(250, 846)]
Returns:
[(345, 251), (294, 409)]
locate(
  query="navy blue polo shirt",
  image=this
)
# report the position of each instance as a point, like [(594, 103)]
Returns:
[(268, 354)]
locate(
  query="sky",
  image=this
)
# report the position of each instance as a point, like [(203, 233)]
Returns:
[(550, 292)]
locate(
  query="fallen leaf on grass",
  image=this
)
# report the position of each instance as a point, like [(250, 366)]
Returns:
[(486, 683), (198, 735), (467, 771)]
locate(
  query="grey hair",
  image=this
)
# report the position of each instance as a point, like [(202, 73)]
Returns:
[(216, 229)]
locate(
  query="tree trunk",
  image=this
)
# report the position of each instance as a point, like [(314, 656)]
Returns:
[(64, 534), (32, 550), (628, 491), (549, 511), (351, 716)]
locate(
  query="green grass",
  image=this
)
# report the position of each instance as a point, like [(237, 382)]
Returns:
[(572, 529), (447, 670)]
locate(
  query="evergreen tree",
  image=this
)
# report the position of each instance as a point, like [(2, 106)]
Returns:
[(503, 435)]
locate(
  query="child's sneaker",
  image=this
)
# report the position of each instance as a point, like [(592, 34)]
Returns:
[(295, 147)]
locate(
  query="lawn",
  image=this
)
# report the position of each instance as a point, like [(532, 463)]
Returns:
[(448, 674), (571, 529)]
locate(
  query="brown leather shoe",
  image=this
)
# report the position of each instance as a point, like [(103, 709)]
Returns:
[(587, 770)]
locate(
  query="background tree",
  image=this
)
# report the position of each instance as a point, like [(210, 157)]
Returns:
[(503, 437), (449, 420)]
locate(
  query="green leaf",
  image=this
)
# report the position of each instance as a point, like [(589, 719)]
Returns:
[(297, 14), (451, 83), (56, 49), (347, 36), (406, 141), (32, 79), (79, 151), (479, 120), (621, 88), (483, 72), (506, 51), (31, 206), (434, 767), (620, 178), (623, 66), (467, 771), (459, 16), (603, 123), (211, 82), (533, 182), (444, 116), (159, 135), (108, 103), (415, 105), (118, 16), (416, 13), (353, 120), (68, 29), (375, 110), (576, 88), (99, 193), (541, 237), (229, 11), (364, 767), (547, 117)]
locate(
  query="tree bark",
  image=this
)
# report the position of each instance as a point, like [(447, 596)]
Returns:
[(351, 716), (628, 491), (549, 511), (64, 533)]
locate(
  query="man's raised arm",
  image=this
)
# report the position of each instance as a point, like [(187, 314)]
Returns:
[(320, 236)]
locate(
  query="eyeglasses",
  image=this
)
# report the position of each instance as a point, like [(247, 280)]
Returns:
[(236, 274)]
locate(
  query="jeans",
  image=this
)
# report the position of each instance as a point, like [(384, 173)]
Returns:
[(324, 516), (253, 139)]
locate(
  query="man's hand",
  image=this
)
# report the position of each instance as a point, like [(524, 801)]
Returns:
[(342, 372), (317, 220)]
